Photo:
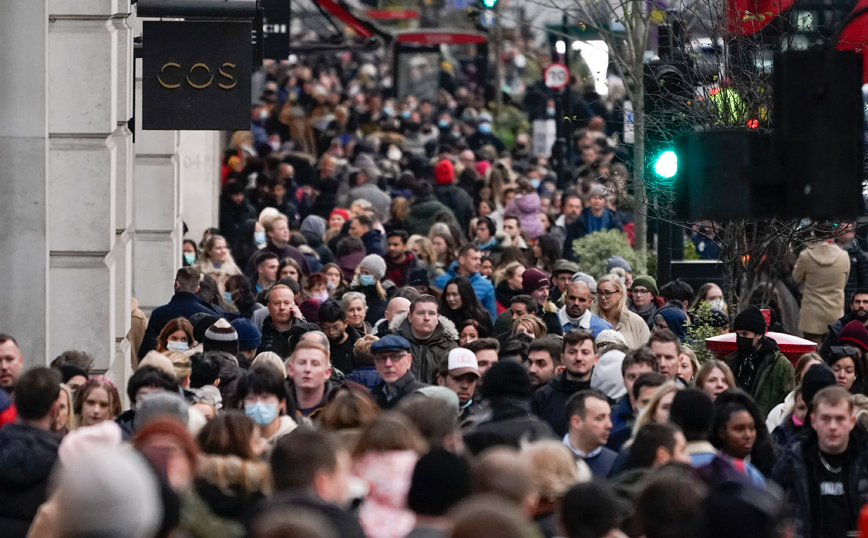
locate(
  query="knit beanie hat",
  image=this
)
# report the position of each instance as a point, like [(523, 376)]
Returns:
[(618, 261), (444, 173), (375, 265), (818, 377), (249, 335), (692, 411), (221, 337), (607, 377), (105, 435), (648, 282), (610, 336), (108, 491), (158, 361), (341, 212), (587, 279), (418, 277), (532, 280), (314, 224), (750, 319), (854, 333), (201, 321), (310, 308), (440, 481), (506, 379), (676, 319)]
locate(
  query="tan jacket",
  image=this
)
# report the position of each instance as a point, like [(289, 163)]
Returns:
[(220, 275), (631, 326), (138, 326), (824, 269)]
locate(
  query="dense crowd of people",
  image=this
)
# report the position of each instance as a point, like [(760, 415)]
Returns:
[(390, 335)]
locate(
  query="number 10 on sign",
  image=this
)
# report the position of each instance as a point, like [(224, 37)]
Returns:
[(556, 76)]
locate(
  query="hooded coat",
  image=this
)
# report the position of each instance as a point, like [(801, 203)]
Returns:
[(431, 354), (824, 269), (27, 457), (773, 377), (527, 209), (425, 213)]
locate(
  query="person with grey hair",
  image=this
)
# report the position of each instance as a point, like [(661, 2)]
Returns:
[(355, 306)]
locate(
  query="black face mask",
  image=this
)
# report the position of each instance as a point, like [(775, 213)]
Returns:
[(744, 345)]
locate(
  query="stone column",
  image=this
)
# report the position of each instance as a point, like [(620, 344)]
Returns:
[(157, 208), (200, 180)]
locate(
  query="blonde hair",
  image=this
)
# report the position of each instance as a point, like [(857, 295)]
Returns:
[(208, 245), (506, 273), (309, 344), (616, 281), (537, 326), (181, 363), (426, 246), (269, 358), (267, 215), (553, 468), (694, 362), (647, 414)]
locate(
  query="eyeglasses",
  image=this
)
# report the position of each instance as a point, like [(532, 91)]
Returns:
[(640, 291), (608, 294), (394, 357)]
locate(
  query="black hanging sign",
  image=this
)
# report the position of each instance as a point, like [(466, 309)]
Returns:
[(196, 75)]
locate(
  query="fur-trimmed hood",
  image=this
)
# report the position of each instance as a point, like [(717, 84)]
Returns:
[(443, 325)]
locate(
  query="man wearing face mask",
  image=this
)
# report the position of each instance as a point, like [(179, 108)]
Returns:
[(263, 393), (858, 312), (342, 337), (483, 135), (758, 364)]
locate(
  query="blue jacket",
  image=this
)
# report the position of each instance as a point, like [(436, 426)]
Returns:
[(596, 325), (366, 376), (482, 286), (622, 414), (183, 305)]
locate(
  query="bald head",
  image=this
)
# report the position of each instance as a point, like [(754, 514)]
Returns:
[(318, 337), (397, 306), (577, 299)]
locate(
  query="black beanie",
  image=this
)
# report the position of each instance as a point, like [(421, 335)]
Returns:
[(440, 481), (692, 411), (201, 322), (506, 379), (815, 379), (750, 319), (68, 371)]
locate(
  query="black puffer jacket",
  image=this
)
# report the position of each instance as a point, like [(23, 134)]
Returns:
[(549, 402), (27, 457), (508, 422)]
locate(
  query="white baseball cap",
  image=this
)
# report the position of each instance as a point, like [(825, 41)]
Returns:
[(462, 361)]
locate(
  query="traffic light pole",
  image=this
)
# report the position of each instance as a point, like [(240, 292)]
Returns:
[(567, 104)]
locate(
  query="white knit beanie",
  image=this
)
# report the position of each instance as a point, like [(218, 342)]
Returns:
[(375, 265)]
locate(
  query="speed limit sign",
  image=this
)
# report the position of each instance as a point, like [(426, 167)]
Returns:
[(556, 76)]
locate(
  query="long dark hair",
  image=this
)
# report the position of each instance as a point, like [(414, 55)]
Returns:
[(470, 306), (841, 352), (730, 401), (550, 252)]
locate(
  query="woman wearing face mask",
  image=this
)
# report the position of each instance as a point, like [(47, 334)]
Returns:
[(335, 282), (190, 253), (251, 238), (177, 335), (316, 287), (712, 294), (216, 261), (793, 423), (240, 293), (526, 206), (368, 282)]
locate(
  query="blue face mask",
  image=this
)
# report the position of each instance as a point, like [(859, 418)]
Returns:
[(405, 114), (189, 257), (389, 111), (535, 183), (485, 128), (443, 124), (550, 111), (262, 413), (366, 280), (177, 346), (259, 237), (227, 297)]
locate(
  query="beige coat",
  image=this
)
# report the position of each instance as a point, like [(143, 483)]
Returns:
[(220, 275), (631, 326), (824, 269)]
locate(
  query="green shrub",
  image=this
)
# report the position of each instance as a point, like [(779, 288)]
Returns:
[(595, 249), (699, 329)]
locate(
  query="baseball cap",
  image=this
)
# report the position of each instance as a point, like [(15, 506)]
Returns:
[(462, 361)]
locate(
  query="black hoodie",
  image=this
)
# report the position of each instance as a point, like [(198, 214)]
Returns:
[(549, 402), (27, 457)]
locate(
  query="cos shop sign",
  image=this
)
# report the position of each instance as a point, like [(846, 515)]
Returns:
[(196, 75)]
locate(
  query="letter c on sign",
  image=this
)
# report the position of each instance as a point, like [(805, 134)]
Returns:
[(200, 86), (162, 83)]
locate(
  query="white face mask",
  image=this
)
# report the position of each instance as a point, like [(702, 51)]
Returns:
[(718, 304), (177, 346), (394, 154)]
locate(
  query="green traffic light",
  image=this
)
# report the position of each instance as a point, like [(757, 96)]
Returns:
[(489, 3), (666, 164)]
